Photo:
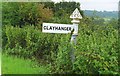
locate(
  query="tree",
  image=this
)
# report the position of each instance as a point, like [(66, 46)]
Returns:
[(67, 7), (25, 13)]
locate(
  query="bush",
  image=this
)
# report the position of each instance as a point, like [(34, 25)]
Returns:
[(96, 52), (62, 61), (28, 42)]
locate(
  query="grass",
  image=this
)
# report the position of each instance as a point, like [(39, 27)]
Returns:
[(14, 65)]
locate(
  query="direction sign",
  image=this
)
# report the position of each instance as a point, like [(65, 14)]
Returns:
[(76, 14), (57, 28)]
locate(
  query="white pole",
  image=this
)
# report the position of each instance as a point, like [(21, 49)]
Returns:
[(75, 16), (73, 41)]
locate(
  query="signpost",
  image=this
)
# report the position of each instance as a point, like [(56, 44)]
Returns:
[(75, 16), (65, 28)]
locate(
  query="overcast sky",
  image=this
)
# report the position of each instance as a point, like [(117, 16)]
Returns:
[(99, 5)]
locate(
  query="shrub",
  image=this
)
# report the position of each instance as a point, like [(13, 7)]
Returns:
[(96, 52), (29, 40), (62, 61)]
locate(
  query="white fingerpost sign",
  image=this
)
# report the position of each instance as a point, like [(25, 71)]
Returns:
[(57, 28), (65, 28), (75, 16)]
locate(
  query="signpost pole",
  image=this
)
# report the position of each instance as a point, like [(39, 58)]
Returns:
[(75, 16), (73, 42)]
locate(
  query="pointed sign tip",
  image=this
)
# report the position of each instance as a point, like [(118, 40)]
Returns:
[(76, 14)]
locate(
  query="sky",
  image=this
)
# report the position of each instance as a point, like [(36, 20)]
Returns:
[(99, 5)]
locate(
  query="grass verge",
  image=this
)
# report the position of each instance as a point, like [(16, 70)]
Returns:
[(14, 65)]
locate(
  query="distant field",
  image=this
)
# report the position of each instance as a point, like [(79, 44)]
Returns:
[(14, 65)]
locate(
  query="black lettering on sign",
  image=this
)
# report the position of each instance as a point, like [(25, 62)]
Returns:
[(50, 28), (62, 28), (65, 28), (56, 28), (45, 27), (74, 15), (59, 28), (69, 29), (53, 28)]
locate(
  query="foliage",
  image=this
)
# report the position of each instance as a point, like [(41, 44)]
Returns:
[(62, 61), (28, 42), (20, 14), (62, 8), (97, 49), (25, 13), (62, 11), (66, 7)]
